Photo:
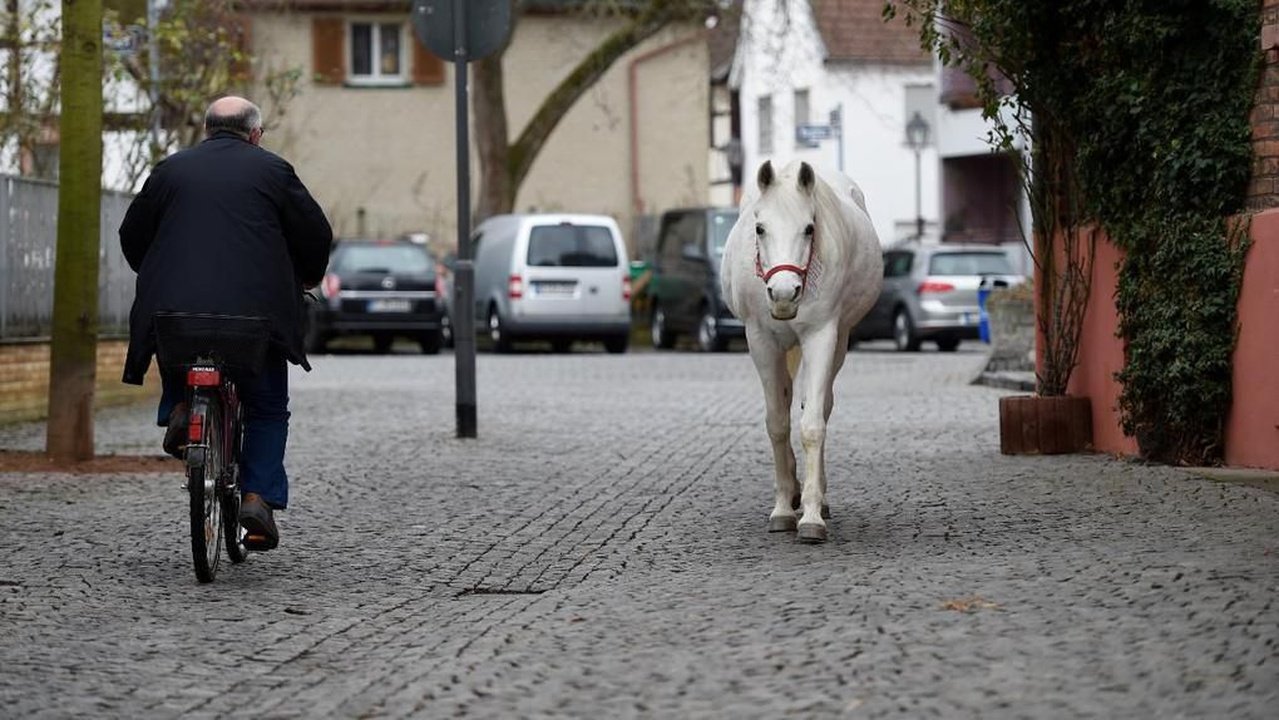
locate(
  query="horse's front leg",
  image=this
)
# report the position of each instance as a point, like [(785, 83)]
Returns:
[(819, 373), (778, 390)]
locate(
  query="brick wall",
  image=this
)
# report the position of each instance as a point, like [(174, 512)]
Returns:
[(24, 379), (1263, 193)]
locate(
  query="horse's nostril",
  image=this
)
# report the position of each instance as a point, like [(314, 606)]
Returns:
[(770, 293), (796, 295)]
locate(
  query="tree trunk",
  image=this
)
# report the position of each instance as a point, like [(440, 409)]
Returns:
[(74, 348), (657, 15), (488, 111)]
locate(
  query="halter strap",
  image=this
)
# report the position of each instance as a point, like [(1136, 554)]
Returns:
[(801, 271)]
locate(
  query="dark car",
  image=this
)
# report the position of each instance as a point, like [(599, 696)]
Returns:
[(383, 289), (684, 288)]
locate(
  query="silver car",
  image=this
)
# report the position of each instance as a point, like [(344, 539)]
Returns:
[(930, 293)]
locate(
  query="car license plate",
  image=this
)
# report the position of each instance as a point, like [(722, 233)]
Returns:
[(390, 305), (555, 289)]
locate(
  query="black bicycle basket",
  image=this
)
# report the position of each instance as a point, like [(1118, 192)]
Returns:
[(239, 343)]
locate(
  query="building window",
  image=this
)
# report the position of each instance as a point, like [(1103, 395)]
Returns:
[(766, 125), (802, 118), (369, 52), (377, 53)]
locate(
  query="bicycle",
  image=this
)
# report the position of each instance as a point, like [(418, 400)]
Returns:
[(211, 350)]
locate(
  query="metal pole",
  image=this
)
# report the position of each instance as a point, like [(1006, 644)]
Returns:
[(153, 53), (839, 130), (464, 272), (919, 212)]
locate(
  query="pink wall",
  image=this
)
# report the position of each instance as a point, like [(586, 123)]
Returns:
[(1101, 354), (1252, 432)]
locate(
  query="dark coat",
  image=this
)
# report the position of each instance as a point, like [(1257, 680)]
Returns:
[(223, 227)]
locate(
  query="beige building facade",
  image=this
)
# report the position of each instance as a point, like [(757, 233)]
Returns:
[(371, 131)]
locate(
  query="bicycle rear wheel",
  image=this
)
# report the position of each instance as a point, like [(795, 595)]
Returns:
[(204, 467)]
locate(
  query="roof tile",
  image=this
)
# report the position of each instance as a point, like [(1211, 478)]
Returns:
[(855, 30)]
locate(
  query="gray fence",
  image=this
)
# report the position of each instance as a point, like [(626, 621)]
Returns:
[(28, 242)]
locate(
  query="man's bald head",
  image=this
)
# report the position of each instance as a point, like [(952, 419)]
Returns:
[(234, 114)]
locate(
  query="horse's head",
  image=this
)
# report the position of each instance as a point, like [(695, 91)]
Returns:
[(785, 235)]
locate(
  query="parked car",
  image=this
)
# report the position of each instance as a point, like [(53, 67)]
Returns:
[(552, 277), (683, 291), (930, 293), (384, 289)]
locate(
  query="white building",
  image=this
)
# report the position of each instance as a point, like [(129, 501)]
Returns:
[(30, 139), (799, 61)]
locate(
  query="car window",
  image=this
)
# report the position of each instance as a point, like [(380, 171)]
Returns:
[(721, 225), (568, 245), (897, 264), (970, 263), (384, 258)]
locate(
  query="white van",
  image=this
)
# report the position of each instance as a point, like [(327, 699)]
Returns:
[(552, 277)]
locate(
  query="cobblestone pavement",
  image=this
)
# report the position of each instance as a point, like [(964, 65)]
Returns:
[(601, 552)]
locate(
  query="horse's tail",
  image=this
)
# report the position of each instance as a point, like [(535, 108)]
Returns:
[(793, 356)]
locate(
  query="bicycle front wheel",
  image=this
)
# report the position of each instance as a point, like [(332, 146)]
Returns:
[(204, 467)]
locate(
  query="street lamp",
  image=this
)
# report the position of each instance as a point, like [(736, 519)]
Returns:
[(917, 138)]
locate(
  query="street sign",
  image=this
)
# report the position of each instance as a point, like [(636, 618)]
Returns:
[(488, 24), (810, 133)]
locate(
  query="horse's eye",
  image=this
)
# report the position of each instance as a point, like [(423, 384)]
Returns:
[(808, 230), (759, 230)]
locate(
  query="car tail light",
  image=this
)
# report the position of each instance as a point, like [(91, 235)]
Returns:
[(626, 288), (330, 285), (934, 286), (515, 287)]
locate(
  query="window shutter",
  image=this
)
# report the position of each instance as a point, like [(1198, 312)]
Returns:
[(427, 68), (328, 45)]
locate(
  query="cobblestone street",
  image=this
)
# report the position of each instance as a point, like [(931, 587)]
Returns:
[(601, 551)]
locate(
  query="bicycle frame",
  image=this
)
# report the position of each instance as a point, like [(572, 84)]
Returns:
[(213, 473)]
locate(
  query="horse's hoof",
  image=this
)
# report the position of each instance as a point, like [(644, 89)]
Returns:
[(782, 523), (812, 533), (825, 511)]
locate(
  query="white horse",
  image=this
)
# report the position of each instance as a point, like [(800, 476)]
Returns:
[(801, 267)]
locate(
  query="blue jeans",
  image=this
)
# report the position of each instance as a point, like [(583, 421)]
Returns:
[(265, 398)]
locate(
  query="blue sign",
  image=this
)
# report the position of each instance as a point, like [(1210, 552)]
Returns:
[(809, 134)]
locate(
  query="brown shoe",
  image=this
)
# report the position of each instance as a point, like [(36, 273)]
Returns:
[(175, 435), (258, 521)]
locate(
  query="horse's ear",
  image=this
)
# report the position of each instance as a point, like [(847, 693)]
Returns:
[(765, 177), (806, 177)]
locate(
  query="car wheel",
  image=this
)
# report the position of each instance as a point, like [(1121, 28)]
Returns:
[(904, 332), (382, 343), (430, 341), (497, 333), (948, 344), (708, 337), (617, 345), (663, 338)]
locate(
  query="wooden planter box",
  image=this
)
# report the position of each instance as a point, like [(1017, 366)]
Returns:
[(1035, 425)]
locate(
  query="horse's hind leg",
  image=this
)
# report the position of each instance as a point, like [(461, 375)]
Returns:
[(777, 401)]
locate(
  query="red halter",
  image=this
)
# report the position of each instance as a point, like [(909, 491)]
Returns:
[(802, 272)]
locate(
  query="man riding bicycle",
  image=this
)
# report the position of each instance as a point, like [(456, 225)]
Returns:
[(226, 227)]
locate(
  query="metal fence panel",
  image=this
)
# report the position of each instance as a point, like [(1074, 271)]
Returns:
[(28, 242)]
